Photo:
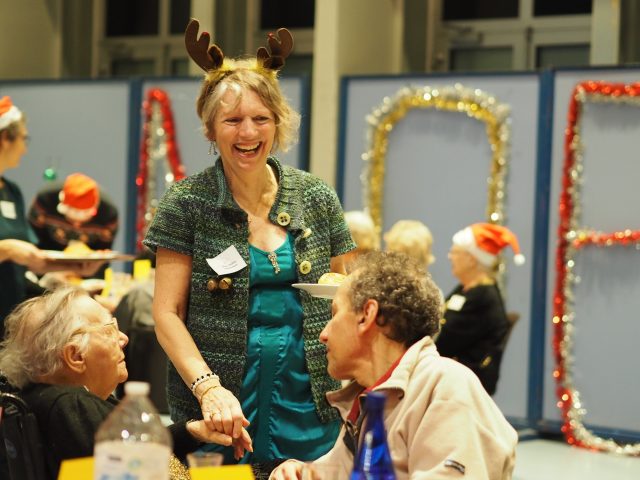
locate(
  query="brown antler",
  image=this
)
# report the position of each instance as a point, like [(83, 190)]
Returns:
[(280, 49), (207, 57)]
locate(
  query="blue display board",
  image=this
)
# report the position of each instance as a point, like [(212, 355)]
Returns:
[(76, 127), (605, 329), (191, 141), (94, 127), (436, 171)]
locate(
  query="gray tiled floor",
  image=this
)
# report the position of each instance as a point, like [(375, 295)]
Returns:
[(555, 460)]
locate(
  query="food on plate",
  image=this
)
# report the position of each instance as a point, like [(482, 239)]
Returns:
[(331, 278), (77, 248)]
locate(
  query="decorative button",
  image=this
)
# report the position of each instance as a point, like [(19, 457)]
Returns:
[(225, 283), (212, 284), (307, 233), (284, 219), (305, 267)]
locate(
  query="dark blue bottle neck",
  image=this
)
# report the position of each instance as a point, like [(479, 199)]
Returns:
[(373, 459)]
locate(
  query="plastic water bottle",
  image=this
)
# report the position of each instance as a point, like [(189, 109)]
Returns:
[(373, 459), (132, 443)]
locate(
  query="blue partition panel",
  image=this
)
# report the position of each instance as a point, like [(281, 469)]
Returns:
[(606, 329), (437, 167), (76, 126), (191, 142)]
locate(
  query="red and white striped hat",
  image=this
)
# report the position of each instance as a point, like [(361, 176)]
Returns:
[(485, 241), (9, 113)]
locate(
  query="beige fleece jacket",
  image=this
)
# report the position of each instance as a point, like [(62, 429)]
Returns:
[(440, 422)]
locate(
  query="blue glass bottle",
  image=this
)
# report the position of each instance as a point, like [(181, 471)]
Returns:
[(373, 460)]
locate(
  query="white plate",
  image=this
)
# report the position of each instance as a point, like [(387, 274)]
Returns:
[(85, 257), (320, 291)]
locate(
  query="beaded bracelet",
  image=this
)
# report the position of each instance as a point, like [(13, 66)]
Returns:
[(204, 378)]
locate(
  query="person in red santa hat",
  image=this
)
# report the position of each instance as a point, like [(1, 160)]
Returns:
[(17, 250), (475, 323), (77, 210)]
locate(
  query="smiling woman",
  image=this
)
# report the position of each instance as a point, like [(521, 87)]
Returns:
[(240, 355)]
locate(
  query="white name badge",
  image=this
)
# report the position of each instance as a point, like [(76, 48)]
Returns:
[(8, 209), (456, 302), (228, 261)]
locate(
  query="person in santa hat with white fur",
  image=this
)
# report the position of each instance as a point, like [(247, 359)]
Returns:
[(475, 323)]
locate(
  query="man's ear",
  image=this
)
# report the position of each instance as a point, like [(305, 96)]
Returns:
[(73, 358), (370, 313)]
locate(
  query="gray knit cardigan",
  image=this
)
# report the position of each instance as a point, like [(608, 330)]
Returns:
[(198, 217)]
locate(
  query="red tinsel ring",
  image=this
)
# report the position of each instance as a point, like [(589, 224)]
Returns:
[(155, 95)]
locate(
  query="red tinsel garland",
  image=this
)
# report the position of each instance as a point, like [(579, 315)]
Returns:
[(172, 155), (570, 238)]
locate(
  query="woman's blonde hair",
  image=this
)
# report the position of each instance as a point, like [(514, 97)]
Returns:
[(243, 75), (363, 230), (412, 238)]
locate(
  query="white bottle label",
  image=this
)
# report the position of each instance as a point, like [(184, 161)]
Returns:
[(131, 461)]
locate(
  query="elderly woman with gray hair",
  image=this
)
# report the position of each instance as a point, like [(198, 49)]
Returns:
[(64, 352)]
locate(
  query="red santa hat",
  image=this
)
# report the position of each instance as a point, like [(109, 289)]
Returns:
[(485, 241), (9, 113), (79, 192)]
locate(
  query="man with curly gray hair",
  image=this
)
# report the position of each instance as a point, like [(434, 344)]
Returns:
[(440, 421)]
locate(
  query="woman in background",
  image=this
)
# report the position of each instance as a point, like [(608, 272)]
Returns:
[(17, 250), (412, 238), (475, 322), (363, 232), (230, 241)]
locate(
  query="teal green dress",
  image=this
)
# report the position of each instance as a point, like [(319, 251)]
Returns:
[(276, 390)]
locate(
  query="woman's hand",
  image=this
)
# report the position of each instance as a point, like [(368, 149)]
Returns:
[(221, 410), (198, 429), (241, 444), (289, 470), (23, 253)]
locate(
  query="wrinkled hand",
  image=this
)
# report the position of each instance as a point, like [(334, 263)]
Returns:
[(198, 429), (222, 412), (289, 470), (24, 253), (241, 444)]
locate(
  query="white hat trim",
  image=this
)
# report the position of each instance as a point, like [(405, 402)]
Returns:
[(467, 240), (10, 116)]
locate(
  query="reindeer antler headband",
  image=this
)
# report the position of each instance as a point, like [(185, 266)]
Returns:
[(211, 59)]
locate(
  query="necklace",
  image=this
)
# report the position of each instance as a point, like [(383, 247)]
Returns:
[(273, 258)]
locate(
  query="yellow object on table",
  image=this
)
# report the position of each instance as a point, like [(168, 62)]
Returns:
[(141, 270), (76, 469), (108, 282), (227, 472)]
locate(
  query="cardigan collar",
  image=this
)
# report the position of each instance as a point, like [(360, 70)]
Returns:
[(288, 197)]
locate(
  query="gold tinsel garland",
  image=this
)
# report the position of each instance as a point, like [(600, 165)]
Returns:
[(474, 103)]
